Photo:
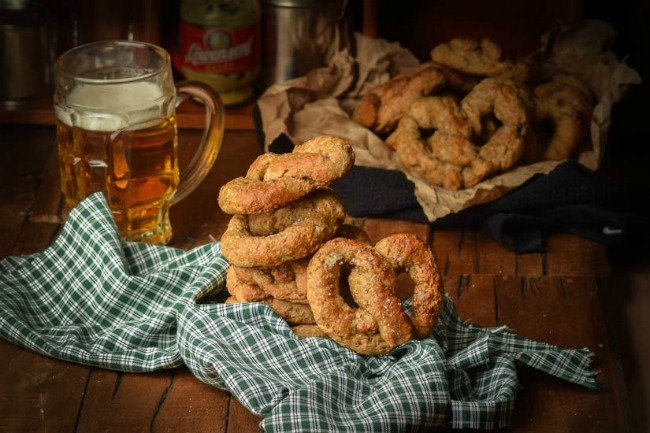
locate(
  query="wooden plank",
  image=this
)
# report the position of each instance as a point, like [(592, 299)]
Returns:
[(38, 393), (570, 255), (369, 18), (23, 152), (175, 401), (530, 264), (34, 237), (192, 406), (238, 117), (493, 257), (21, 165), (241, 419), (565, 312), (378, 228), (48, 201), (474, 298), (16, 200), (117, 401), (455, 251), (626, 305)]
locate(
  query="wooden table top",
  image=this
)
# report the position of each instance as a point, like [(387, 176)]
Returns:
[(552, 297)]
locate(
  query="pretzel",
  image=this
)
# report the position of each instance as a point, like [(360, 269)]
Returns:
[(291, 312), (382, 106), (480, 58), (275, 180), (433, 112), (241, 290), (287, 282), (509, 104), (469, 56), (458, 82), (289, 233), (565, 106), (305, 331), (407, 253), (502, 98), (350, 231), (379, 323)]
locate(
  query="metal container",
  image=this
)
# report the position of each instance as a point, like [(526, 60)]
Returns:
[(300, 35), (25, 56)]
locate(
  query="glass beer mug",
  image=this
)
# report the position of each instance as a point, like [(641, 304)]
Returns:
[(116, 132)]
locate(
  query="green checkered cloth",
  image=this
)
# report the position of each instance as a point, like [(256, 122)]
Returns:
[(93, 299)]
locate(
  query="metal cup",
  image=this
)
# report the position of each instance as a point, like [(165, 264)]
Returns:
[(25, 52)]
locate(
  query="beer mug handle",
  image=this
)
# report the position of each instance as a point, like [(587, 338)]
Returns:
[(210, 144)]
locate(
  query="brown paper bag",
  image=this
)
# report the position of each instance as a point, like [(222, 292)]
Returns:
[(323, 101)]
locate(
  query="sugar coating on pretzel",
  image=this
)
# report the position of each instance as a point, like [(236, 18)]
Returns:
[(380, 322), (564, 105), (275, 180), (289, 233), (408, 253), (382, 106)]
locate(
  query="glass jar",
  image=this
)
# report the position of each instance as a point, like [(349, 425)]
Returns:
[(219, 44)]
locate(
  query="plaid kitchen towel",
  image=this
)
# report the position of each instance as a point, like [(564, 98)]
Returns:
[(93, 299)]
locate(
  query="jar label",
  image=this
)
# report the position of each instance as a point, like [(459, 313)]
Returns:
[(219, 51)]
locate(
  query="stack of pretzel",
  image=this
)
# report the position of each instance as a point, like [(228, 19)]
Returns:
[(469, 114), (288, 247)]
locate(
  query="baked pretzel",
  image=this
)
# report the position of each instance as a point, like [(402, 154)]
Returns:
[(479, 58), (500, 101), (439, 113), (380, 322), (407, 253), (469, 56), (287, 282), (275, 180), (305, 331), (563, 105), (289, 233), (382, 106), (484, 133), (293, 313)]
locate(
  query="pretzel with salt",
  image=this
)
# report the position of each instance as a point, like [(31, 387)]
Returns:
[(275, 180), (289, 233), (380, 322)]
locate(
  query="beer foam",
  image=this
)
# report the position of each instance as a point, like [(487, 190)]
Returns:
[(109, 107)]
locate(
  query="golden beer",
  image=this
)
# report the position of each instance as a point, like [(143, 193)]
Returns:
[(132, 159), (116, 133)]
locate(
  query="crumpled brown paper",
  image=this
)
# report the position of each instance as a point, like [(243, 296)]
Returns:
[(322, 103)]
